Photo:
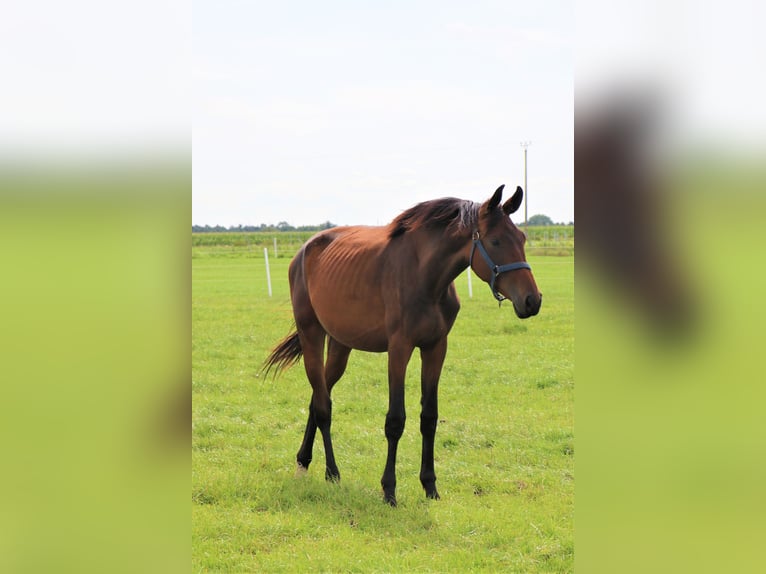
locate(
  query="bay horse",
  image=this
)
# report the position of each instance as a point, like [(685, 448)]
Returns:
[(390, 289)]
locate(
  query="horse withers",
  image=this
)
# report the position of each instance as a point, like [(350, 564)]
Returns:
[(390, 289)]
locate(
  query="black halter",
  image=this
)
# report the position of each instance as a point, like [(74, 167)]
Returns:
[(496, 269)]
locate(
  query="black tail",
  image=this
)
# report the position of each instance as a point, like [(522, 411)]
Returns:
[(284, 355)]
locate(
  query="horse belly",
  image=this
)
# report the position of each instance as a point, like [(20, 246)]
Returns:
[(350, 311), (356, 326)]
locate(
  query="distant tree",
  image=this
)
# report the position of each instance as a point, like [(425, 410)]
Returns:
[(540, 220), (263, 227)]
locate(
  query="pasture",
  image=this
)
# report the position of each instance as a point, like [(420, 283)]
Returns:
[(504, 445)]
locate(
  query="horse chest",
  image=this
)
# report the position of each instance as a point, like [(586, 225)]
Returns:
[(428, 324)]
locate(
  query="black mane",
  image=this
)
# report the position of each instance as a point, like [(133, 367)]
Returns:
[(453, 214)]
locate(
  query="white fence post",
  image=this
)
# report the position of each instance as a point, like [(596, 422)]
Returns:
[(268, 273), (470, 287)]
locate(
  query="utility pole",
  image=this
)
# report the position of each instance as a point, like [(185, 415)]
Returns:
[(525, 145)]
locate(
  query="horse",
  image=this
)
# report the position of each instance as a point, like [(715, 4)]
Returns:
[(620, 195), (391, 289)]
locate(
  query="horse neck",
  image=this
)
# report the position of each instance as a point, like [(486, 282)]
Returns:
[(442, 259)]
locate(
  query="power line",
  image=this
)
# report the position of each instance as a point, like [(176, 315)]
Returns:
[(525, 145)]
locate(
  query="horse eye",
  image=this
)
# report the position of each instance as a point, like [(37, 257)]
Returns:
[(495, 242)]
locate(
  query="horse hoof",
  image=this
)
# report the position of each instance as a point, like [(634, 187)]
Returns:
[(433, 494), (300, 470), (390, 499), (332, 476)]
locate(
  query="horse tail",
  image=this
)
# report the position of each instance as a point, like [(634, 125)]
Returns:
[(284, 355)]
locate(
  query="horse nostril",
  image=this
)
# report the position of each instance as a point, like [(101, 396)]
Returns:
[(533, 303)]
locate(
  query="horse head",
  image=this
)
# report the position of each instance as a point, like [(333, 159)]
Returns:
[(501, 262)]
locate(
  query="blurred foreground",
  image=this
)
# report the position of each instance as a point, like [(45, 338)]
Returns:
[(670, 192), (95, 409), (670, 429), (95, 190)]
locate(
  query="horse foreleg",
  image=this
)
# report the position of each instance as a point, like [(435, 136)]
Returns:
[(433, 359), (398, 357)]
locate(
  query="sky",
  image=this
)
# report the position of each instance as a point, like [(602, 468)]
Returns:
[(87, 81), (351, 112)]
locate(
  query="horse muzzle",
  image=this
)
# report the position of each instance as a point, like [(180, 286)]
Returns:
[(530, 307)]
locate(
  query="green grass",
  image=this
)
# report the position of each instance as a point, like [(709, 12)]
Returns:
[(504, 445)]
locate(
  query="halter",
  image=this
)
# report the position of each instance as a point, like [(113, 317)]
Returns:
[(496, 269)]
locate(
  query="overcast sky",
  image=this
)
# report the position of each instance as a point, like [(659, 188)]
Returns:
[(353, 111)]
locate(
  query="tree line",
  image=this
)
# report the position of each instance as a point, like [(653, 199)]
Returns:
[(542, 221), (270, 227), (535, 220)]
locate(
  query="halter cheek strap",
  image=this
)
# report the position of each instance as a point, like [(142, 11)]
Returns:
[(495, 269)]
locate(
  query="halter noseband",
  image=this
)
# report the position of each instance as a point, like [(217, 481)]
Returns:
[(496, 269)]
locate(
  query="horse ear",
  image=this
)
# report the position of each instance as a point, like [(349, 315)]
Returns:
[(514, 202), (494, 201)]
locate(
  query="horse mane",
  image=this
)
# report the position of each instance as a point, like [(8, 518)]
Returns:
[(450, 213)]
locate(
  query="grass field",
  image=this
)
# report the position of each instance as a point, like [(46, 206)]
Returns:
[(504, 445)]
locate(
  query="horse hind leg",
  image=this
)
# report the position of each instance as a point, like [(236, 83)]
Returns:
[(335, 366), (312, 338), (337, 359), (305, 452)]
